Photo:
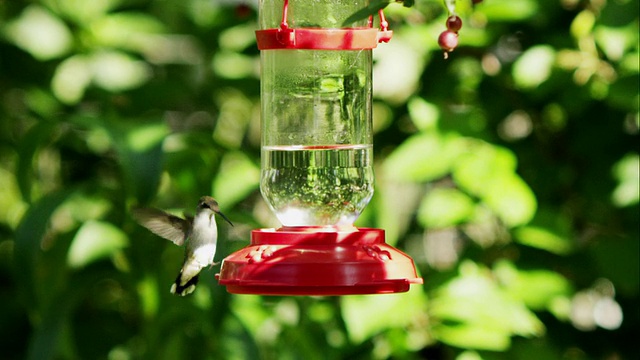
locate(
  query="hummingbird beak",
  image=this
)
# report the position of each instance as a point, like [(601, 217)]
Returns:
[(224, 217)]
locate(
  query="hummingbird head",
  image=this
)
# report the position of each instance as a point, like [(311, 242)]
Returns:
[(209, 203)]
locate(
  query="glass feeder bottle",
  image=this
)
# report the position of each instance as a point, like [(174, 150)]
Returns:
[(316, 120)]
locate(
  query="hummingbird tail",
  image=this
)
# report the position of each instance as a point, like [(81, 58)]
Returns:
[(186, 288)]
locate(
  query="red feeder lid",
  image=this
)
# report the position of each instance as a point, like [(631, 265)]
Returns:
[(355, 38), (309, 261)]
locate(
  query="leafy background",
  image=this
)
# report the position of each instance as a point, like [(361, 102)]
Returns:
[(509, 172)]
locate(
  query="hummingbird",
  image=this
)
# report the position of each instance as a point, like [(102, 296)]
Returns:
[(200, 233)]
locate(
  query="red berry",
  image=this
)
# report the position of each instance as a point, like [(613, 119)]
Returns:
[(454, 23), (448, 40)]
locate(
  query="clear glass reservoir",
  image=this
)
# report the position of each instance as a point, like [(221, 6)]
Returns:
[(317, 167)]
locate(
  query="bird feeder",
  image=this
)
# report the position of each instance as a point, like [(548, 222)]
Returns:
[(317, 167)]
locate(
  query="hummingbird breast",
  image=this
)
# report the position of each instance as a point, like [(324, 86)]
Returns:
[(203, 239)]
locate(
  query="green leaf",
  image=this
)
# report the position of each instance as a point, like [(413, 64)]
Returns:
[(139, 146), (443, 207), (627, 173), (543, 238), (511, 199), (582, 24), (12, 205), (366, 316), (480, 164), (534, 66), (238, 177), (116, 71), (40, 33), (365, 12), (251, 313), (536, 288), (95, 240), (488, 171), (508, 10), (474, 312), (473, 337), (28, 238), (127, 30), (424, 157), (40, 134), (424, 115), (83, 12), (71, 79), (550, 230)]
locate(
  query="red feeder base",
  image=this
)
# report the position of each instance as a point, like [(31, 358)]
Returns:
[(310, 261)]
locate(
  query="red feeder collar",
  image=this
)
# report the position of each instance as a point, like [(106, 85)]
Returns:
[(288, 262), (321, 39)]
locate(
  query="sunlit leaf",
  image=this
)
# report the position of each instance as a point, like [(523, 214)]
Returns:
[(488, 172), (146, 136), (95, 240), (476, 313), (480, 164), (148, 291), (469, 355), (238, 38), (205, 13), (395, 204), (366, 316), (117, 71), (511, 199), (423, 114), (444, 207), (395, 84), (474, 337), (534, 66), (12, 205), (627, 172), (139, 147), (582, 24), (536, 288), (543, 238), (42, 102), (235, 114), (251, 313), (71, 79), (40, 33), (83, 11), (126, 30), (232, 65), (508, 10), (239, 176), (424, 157), (549, 230)]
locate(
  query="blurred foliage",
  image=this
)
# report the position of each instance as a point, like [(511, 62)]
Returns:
[(508, 172)]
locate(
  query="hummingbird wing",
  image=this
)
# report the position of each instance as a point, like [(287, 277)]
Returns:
[(163, 224)]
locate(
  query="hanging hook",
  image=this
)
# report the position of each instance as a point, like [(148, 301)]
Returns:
[(285, 9), (384, 35)]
